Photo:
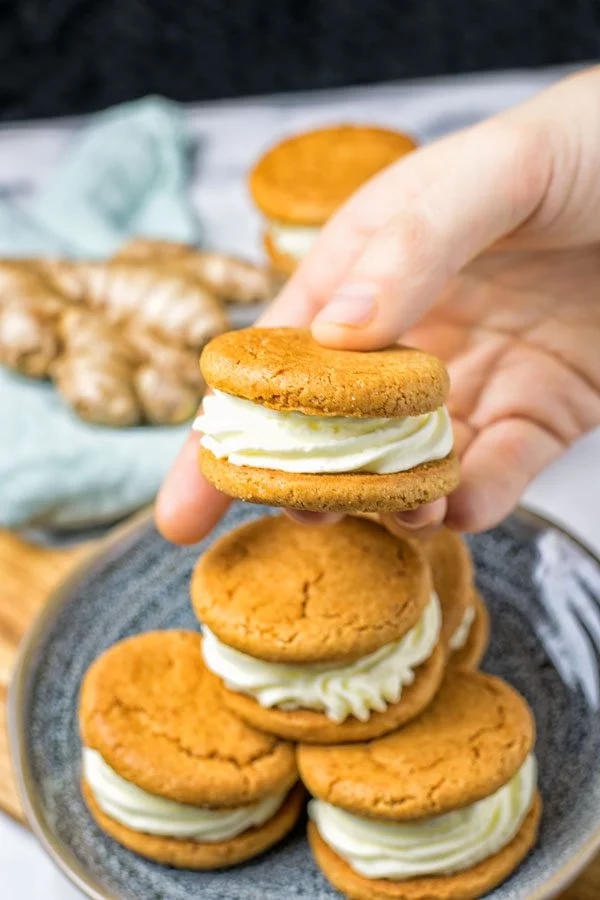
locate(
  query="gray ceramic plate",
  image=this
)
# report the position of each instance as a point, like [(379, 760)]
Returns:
[(543, 590)]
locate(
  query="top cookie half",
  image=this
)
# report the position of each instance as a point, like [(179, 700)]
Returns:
[(286, 369), (305, 178)]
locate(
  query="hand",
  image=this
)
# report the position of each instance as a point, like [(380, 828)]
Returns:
[(483, 248)]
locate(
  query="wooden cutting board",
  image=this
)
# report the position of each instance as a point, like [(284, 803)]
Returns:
[(27, 576)]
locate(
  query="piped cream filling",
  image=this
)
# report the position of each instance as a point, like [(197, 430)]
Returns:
[(248, 434), (147, 813), (292, 240), (461, 635), (442, 845), (356, 689)]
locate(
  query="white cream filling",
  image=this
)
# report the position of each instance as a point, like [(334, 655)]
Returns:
[(442, 845), (355, 689), (137, 809), (248, 434), (292, 240), (461, 635)]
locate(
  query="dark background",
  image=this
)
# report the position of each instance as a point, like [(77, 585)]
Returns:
[(69, 56)]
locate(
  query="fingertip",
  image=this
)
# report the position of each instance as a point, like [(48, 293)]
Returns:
[(348, 337), (187, 521), (495, 470), (472, 510), (187, 506), (354, 319), (417, 522)]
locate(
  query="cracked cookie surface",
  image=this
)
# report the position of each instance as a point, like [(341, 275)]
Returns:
[(286, 369), (283, 592), (154, 713), (465, 746)]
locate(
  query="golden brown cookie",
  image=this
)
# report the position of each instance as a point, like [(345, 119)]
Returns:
[(313, 727), (154, 713), (349, 492), (452, 572), (470, 656), (285, 369), (187, 854), (305, 178), (285, 593), (468, 885), (467, 744)]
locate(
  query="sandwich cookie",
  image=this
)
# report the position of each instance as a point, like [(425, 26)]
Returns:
[(320, 635), (443, 809), (465, 619), (295, 424), (471, 640), (167, 771), (298, 184)]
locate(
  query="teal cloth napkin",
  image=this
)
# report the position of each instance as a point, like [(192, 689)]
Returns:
[(59, 472), (126, 174)]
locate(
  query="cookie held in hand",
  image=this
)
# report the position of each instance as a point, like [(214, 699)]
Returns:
[(296, 424)]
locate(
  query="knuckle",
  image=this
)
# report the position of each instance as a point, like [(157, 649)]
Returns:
[(415, 241), (525, 152)]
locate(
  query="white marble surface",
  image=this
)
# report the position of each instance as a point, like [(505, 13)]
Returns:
[(230, 136)]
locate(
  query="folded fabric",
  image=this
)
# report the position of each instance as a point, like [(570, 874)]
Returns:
[(126, 174), (59, 472), (21, 235)]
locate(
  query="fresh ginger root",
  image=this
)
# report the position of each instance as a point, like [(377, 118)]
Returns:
[(29, 312), (231, 279), (163, 397), (95, 372), (121, 339)]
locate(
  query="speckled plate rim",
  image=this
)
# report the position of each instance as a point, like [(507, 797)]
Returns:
[(106, 551)]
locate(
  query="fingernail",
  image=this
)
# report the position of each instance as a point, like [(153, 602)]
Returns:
[(415, 519), (410, 522), (353, 304)]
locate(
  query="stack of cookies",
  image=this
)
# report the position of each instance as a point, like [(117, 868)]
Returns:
[(343, 657)]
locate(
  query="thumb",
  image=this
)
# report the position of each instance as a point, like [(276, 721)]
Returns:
[(446, 204)]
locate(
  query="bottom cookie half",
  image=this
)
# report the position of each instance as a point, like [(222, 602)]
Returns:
[(346, 492), (186, 854), (468, 885), (313, 727)]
